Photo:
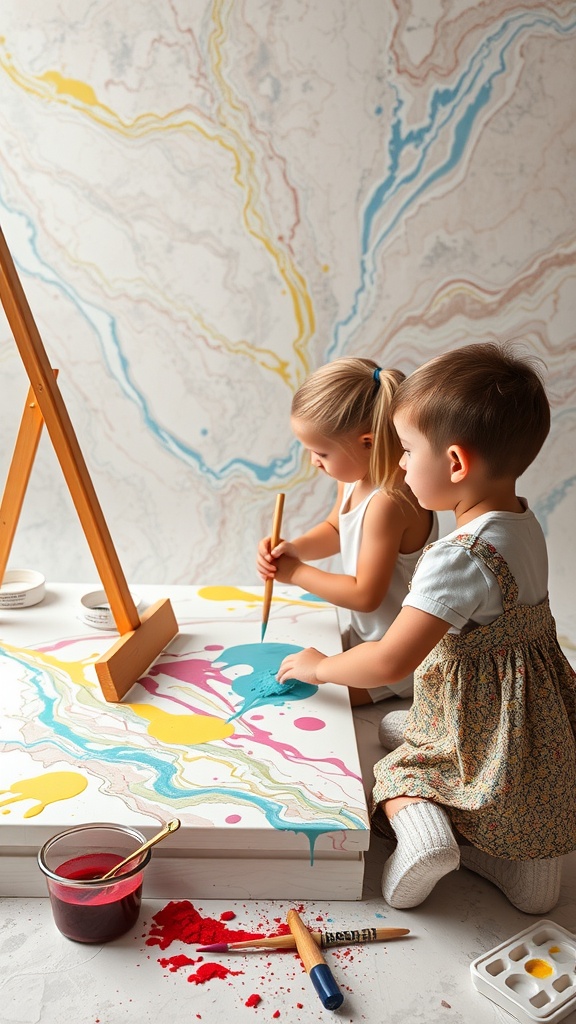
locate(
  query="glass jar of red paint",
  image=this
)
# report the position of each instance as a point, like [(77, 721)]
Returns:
[(86, 909)]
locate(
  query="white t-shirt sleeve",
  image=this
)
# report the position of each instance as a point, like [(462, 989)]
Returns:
[(451, 583)]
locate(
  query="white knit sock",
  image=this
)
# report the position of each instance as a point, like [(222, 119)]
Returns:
[(425, 852), (391, 729), (532, 886)]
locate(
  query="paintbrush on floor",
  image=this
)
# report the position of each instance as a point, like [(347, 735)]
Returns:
[(343, 937), (274, 539)]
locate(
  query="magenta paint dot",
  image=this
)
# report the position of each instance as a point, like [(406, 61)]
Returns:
[(214, 647), (233, 818), (257, 718), (309, 724)]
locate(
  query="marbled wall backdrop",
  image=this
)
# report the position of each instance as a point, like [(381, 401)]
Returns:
[(205, 200)]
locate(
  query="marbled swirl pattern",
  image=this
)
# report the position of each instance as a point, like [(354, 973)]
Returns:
[(207, 200)]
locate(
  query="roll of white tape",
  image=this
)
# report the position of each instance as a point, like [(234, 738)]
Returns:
[(22, 588), (95, 609)]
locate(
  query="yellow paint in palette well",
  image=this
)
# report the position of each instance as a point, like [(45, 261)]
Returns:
[(538, 968), (182, 729), (46, 789)]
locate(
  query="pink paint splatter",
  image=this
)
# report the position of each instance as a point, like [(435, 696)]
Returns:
[(232, 819), (309, 724)]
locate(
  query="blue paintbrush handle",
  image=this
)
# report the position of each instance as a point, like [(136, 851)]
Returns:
[(326, 987)]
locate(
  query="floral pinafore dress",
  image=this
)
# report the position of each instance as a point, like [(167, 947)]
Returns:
[(491, 732)]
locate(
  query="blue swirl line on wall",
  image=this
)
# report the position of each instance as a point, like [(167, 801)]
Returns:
[(545, 506), (104, 326), (443, 114), (444, 108)]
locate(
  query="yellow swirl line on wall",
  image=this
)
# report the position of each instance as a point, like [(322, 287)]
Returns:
[(232, 113), (52, 86)]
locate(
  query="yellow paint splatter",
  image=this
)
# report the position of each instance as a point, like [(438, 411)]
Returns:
[(229, 594), (187, 729), (74, 670), (46, 789), (538, 968)]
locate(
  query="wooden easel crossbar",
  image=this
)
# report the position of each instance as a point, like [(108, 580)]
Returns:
[(143, 638)]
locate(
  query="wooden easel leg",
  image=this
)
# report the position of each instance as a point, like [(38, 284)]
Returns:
[(65, 443), (132, 654), (18, 475), (136, 650)]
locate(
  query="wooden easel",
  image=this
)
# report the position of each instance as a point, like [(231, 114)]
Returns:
[(141, 639)]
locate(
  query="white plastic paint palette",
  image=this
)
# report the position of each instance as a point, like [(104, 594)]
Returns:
[(532, 975)]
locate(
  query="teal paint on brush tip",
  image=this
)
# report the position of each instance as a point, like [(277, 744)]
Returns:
[(326, 986)]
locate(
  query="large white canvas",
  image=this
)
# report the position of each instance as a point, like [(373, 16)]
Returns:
[(251, 775)]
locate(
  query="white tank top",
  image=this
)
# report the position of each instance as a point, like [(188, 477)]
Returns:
[(373, 625)]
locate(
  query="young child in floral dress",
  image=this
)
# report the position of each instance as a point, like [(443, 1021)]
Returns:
[(486, 772)]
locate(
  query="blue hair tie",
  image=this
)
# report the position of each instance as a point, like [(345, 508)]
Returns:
[(376, 374)]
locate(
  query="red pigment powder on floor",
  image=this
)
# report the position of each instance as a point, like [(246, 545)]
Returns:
[(179, 921), (209, 971), (253, 1000), (174, 963)]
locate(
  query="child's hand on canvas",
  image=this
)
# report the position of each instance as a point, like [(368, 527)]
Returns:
[(301, 666)]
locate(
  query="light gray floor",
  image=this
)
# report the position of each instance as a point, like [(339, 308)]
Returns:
[(422, 978)]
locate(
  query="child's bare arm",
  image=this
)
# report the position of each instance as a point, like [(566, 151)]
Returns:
[(412, 636), (382, 530)]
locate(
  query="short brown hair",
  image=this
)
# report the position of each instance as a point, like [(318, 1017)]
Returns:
[(353, 395), (484, 397)]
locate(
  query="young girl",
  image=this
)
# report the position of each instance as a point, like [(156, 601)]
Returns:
[(489, 751), (340, 414)]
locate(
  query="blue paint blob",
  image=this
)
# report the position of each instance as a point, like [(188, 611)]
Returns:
[(260, 686)]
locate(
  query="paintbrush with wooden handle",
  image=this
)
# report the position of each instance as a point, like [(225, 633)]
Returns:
[(269, 585)]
